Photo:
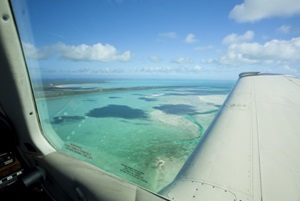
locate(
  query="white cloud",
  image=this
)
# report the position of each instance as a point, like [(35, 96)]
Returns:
[(97, 52), (190, 38), (31, 52), (285, 29), (271, 52), (202, 48), (155, 69), (183, 60), (290, 69), (83, 52), (155, 58), (196, 68), (255, 10), (169, 69), (235, 38), (168, 35)]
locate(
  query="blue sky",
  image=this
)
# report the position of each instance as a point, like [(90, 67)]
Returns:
[(160, 38)]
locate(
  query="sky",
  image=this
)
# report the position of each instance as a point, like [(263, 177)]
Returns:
[(159, 38)]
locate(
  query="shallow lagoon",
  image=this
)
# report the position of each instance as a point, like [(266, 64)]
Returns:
[(140, 130)]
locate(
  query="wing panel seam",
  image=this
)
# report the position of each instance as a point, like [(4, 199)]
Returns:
[(257, 137)]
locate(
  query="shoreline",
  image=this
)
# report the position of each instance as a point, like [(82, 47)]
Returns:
[(56, 92)]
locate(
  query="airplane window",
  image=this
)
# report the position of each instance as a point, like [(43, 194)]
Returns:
[(129, 86)]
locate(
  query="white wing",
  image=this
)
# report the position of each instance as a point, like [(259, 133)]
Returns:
[(252, 149)]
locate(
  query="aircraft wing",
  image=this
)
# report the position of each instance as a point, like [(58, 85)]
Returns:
[(252, 149)]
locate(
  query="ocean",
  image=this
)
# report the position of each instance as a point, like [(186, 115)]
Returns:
[(140, 130)]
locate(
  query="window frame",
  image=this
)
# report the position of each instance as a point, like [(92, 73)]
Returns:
[(17, 98)]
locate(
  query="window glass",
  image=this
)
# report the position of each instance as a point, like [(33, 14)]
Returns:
[(131, 86)]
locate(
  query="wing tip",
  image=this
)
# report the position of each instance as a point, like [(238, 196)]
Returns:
[(245, 74), (256, 73)]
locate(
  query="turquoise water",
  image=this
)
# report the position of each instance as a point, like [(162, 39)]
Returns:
[(140, 130)]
